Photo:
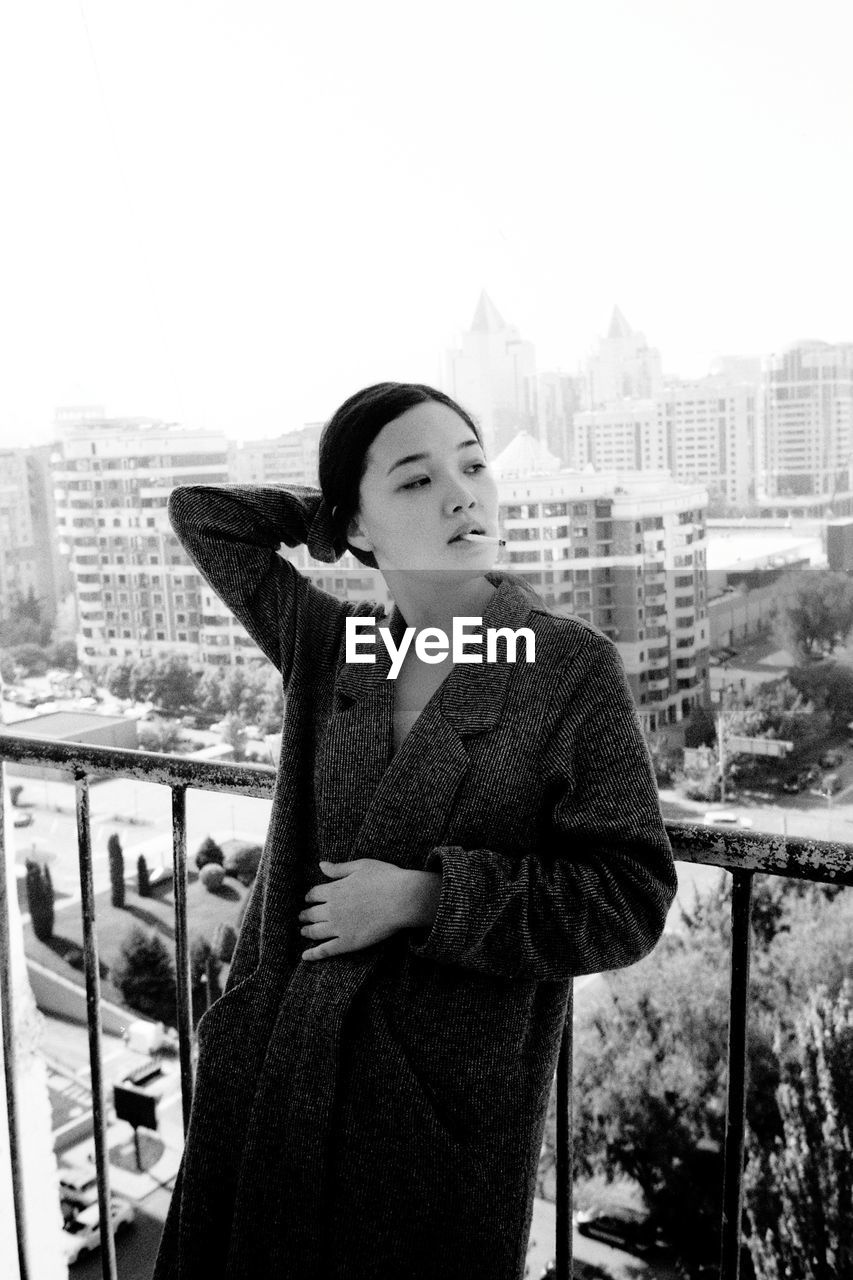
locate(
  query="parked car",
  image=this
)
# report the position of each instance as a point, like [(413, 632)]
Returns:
[(830, 759), (792, 784), (831, 783), (23, 820), (82, 1229), (78, 1185), (723, 818), (631, 1229)]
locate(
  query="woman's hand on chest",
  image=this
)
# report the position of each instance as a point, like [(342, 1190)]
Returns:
[(366, 901)]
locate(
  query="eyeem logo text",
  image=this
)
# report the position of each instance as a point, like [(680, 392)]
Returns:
[(432, 644)]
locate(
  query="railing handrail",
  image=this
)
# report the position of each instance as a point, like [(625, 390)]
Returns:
[(797, 857), (146, 766), (742, 852)]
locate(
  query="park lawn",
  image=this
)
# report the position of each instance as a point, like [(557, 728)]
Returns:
[(204, 911)]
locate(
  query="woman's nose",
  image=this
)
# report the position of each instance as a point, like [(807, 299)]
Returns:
[(459, 495)]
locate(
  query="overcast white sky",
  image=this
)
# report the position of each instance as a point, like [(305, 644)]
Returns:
[(235, 214)]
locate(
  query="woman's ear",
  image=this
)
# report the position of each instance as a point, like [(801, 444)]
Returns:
[(356, 535)]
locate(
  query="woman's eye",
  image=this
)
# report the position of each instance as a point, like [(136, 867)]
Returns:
[(416, 484)]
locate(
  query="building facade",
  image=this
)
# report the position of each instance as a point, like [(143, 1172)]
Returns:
[(806, 451), (700, 432), (137, 593), (626, 552), (29, 554)]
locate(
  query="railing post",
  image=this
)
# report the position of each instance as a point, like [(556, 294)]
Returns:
[(736, 1072), (182, 954), (9, 1055), (93, 1021), (565, 1268)]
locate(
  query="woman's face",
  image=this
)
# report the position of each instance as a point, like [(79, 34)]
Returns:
[(426, 478)]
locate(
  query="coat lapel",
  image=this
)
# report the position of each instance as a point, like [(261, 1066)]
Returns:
[(367, 800)]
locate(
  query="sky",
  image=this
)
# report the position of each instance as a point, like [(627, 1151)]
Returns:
[(235, 214)]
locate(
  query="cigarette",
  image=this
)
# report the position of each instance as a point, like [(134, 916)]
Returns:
[(483, 537)]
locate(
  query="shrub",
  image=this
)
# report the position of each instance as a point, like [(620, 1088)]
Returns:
[(243, 863), (116, 871), (212, 876), (143, 880), (224, 941), (209, 851), (159, 735), (40, 900)]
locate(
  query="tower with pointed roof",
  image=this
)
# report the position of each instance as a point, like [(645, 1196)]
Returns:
[(624, 367), (492, 373)]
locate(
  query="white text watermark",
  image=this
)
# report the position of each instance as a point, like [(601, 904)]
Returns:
[(432, 644)]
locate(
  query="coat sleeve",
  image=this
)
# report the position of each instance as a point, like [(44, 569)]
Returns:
[(232, 533), (597, 895)]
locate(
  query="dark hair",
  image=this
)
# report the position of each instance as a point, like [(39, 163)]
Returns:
[(348, 435)]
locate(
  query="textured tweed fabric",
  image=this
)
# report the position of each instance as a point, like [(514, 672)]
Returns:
[(380, 1113)]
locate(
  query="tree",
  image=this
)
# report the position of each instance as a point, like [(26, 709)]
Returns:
[(145, 975), (169, 681), (271, 714), (799, 1196), (25, 623), (31, 657), (651, 1053), (143, 881), (829, 686), (117, 678), (116, 870), (210, 698), (40, 898), (208, 851), (204, 974), (63, 653), (666, 758), (813, 612), (234, 733)]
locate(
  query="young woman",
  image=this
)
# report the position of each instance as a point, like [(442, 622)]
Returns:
[(447, 850)]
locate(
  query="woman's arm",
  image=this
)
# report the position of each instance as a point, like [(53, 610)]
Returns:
[(597, 898), (231, 533)]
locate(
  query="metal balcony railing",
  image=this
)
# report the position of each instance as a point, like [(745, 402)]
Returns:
[(742, 854)]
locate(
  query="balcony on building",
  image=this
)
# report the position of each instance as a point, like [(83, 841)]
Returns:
[(741, 855)]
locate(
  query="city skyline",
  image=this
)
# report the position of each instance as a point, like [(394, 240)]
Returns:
[(233, 220)]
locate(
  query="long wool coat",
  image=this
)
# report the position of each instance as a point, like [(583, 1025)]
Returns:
[(380, 1113)]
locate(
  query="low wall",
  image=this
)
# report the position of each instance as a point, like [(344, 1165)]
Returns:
[(60, 996)]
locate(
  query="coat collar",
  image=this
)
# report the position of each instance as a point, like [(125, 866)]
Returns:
[(472, 696), (363, 791)]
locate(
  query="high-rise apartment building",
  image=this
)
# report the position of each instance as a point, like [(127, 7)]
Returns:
[(624, 550), (283, 459), (137, 592), (699, 432), (29, 556), (493, 375), (806, 451)]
